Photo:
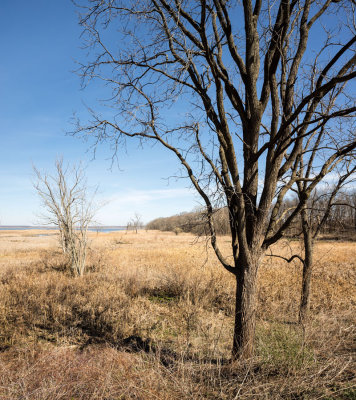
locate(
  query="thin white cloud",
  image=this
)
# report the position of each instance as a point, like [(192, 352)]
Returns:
[(143, 196), (118, 208)]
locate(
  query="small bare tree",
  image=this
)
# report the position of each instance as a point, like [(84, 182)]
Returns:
[(314, 216), (64, 197), (136, 222)]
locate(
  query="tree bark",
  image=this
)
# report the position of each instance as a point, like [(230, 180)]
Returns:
[(307, 269), (245, 310)]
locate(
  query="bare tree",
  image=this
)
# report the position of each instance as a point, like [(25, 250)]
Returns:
[(136, 222), (314, 216), (317, 209), (65, 199), (236, 90)]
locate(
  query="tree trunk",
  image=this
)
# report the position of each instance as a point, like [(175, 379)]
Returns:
[(307, 271), (245, 311)]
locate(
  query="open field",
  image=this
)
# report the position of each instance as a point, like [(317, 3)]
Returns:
[(63, 337)]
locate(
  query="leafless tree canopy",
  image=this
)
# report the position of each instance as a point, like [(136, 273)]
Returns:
[(239, 92)]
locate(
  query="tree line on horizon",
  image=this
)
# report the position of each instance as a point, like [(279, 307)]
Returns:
[(340, 222)]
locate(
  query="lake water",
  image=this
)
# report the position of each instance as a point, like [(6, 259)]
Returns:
[(119, 228), (50, 228)]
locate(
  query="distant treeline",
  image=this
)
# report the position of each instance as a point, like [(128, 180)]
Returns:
[(193, 222), (340, 223)]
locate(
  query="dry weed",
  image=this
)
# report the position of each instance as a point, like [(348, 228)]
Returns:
[(64, 337)]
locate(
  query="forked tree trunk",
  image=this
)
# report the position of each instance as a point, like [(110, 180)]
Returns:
[(245, 311)]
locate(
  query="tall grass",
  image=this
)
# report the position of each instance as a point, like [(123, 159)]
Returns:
[(63, 337)]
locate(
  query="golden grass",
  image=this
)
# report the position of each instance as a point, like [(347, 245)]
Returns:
[(63, 337)]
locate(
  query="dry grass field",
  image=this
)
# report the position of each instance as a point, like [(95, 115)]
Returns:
[(64, 337)]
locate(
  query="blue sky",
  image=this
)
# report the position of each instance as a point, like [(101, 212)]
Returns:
[(39, 43), (39, 92)]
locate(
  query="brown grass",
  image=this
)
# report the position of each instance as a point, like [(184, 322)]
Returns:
[(63, 337)]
